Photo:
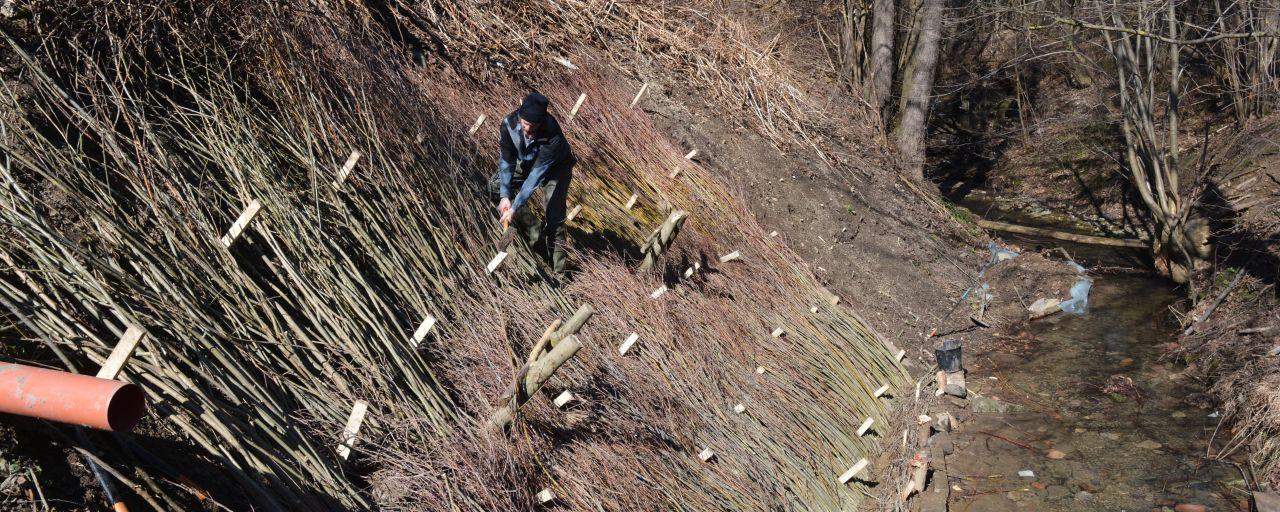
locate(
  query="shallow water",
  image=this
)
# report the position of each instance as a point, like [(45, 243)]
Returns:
[(1052, 378)]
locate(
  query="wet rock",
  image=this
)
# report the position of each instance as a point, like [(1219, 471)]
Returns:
[(1055, 454), (1056, 492), (1149, 445), (986, 405)]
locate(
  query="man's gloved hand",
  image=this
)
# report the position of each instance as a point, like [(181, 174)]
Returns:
[(505, 210)]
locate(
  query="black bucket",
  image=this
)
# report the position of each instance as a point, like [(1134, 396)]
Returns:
[(948, 355)]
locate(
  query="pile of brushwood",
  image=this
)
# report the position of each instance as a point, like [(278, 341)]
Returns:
[(132, 135)]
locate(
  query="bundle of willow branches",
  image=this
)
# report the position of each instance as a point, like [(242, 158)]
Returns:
[(121, 173)]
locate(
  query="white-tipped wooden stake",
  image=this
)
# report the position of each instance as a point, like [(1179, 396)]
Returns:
[(352, 429), (565, 62), (835, 300), (241, 223), (917, 391), (577, 208), (120, 354), (691, 154), (346, 168), (777, 333), (631, 202), (760, 370), (706, 455), (853, 471), (423, 330), (881, 391), (866, 425), (901, 354), (643, 87), (627, 343), (497, 260), (688, 272), (476, 126), (658, 292), (574, 111), (740, 408), (674, 172), (563, 399), (813, 309), (730, 257), (773, 234), (545, 496)]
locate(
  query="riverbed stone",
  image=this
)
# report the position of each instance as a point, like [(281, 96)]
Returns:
[(984, 405), (1149, 444)]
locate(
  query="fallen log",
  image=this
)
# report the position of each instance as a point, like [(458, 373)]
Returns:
[(532, 380), (1061, 235)]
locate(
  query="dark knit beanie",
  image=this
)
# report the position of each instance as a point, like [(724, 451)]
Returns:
[(534, 108)]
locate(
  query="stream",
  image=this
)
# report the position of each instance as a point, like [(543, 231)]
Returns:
[(1089, 413)]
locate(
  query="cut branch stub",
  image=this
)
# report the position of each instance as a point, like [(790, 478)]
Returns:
[(663, 238)]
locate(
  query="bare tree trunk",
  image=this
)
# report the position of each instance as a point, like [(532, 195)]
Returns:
[(881, 71), (915, 98)]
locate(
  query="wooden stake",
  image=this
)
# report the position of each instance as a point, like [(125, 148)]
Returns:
[(866, 425), (573, 213), (881, 391), (422, 331), (241, 223), (813, 309), (706, 455), (346, 169), (674, 172), (565, 62), (658, 292), (545, 496), (691, 154), (497, 260), (121, 353), (475, 127), (777, 333), (901, 354), (643, 87), (760, 370), (627, 343), (853, 471), (730, 257), (574, 111), (562, 399), (773, 234), (740, 408), (631, 202), (352, 429)]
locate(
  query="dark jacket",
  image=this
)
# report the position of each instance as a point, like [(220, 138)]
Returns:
[(548, 152)]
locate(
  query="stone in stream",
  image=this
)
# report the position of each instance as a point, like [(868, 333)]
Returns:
[(986, 405), (1149, 445)]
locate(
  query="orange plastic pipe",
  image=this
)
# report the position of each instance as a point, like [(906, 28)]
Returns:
[(69, 398)]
